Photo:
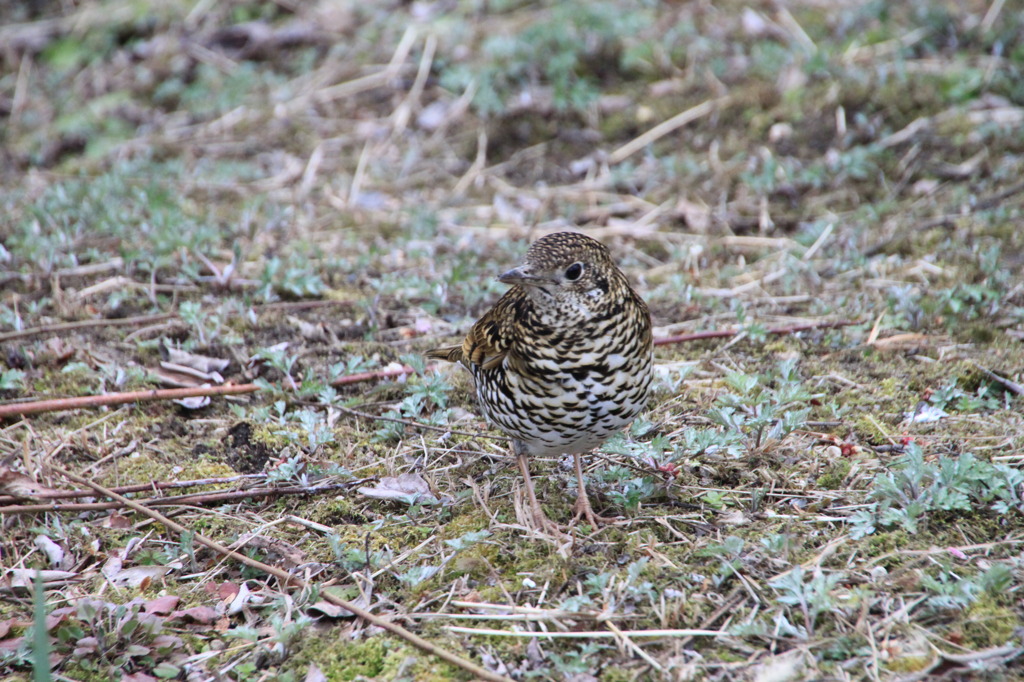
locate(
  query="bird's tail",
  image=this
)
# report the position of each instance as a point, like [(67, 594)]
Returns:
[(449, 353)]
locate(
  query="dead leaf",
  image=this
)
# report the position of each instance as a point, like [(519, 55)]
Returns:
[(408, 488), (117, 520), (782, 668), (225, 591), (56, 351), (900, 341), (734, 518), (136, 576), (290, 555), (18, 578), (11, 644), (926, 413), (21, 486), (200, 363), (162, 605), (240, 600), (53, 551), (196, 402), (197, 614), (175, 379)]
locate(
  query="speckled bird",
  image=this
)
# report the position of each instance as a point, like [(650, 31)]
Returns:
[(563, 360)]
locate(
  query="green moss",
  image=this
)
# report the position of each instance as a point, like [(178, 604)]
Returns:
[(834, 475), (909, 664), (378, 657), (989, 624), (890, 386), (617, 674), (142, 467), (870, 429), (885, 543)]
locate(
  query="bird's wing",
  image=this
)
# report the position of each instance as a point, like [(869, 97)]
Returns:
[(489, 341)]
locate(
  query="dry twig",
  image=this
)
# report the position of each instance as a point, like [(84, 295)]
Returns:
[(59, 404)]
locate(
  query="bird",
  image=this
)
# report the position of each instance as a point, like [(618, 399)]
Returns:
[(563, 360)]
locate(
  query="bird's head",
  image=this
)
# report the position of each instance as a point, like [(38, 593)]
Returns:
[(567, 267)]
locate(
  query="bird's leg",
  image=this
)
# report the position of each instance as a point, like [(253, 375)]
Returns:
[(540, 519), (582, 507)]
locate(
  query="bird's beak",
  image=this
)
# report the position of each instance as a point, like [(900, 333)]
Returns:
[(518, 276)]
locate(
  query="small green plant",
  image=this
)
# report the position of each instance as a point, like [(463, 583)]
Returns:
[(812, 595), (291, 470), (295, 277), (914, 488), (730, 556), (763, 407), (351, 558), (950, 397), (627, 489), (950, 590), (12, 380), (579, 663), (279, 358), (206, 327), (429, 393)]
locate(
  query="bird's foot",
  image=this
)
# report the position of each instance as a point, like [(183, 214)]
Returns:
[(582, 509), (544, 525)]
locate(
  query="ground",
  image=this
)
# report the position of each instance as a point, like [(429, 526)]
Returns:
[(283, 195)]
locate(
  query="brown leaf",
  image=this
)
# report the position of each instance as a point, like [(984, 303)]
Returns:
[(117, 520), (21, 486), (227, 590), (197, 614), (901, 341), (408, 488), (175, 379), (200, 363), (136, 576), (162, 605), (57, 351), (290, 555), (11, 644)]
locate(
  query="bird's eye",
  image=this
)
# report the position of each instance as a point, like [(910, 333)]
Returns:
[(573, 272)]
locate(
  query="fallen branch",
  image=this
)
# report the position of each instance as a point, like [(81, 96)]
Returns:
[(85, 324), (1011, 386), (723, 334), (290, 580), (136, 488), (194, 499), (576, 634), (60, 404)]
